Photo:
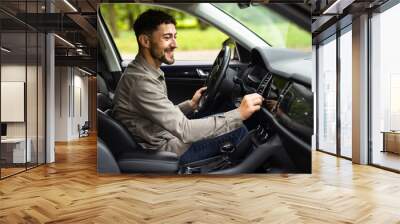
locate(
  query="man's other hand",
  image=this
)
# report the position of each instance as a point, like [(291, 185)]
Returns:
[(250, 104), (196, 97)]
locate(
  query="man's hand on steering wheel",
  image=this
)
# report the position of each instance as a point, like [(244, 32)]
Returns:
[(214, 80), (196, 97)]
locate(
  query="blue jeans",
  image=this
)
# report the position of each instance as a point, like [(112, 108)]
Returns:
[(207, 148)]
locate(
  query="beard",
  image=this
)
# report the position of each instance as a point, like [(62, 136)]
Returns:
[(161, 56)]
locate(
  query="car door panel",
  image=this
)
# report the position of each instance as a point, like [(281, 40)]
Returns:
[(182, 79)]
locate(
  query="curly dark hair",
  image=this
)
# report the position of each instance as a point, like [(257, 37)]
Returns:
[(149, 21)]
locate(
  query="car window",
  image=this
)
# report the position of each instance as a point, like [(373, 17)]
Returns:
[(274, 29), (196, 40)]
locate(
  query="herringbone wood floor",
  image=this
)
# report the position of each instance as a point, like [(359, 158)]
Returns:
[(70, 191)]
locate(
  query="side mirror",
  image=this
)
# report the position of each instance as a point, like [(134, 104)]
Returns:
[(244, 5)]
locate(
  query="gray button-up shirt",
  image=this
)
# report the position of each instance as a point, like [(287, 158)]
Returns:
[(141, 104)]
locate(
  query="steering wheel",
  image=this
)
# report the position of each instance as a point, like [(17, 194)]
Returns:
[(215, 78)]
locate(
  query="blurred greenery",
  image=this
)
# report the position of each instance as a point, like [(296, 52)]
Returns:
[(121, 17), (193, 34), (275, 29), (187, 39)]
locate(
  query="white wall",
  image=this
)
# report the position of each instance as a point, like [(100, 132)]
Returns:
[(61, 103), (33, 126), (314, 90), (71, 102), (12, 73)]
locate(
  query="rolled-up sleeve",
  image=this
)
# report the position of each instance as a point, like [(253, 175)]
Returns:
[(146, 95)]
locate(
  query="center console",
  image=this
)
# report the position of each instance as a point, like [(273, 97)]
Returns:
[(262, 148), (246, 157)]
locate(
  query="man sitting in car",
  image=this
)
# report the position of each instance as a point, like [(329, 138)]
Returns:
[(141, 102)]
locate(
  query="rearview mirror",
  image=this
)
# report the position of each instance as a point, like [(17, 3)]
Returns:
[(244, 5)]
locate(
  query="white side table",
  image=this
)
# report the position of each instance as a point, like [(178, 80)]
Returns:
[(18, 148)]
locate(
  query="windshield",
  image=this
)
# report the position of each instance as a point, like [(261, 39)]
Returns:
[(274, 29), (198, 40)]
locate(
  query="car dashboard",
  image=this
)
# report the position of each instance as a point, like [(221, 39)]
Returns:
[(287, 109)]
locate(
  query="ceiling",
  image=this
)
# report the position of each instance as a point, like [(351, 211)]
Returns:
[(328, 15), (74, 22)]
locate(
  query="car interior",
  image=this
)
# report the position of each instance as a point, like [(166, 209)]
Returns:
[(279, 137)]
